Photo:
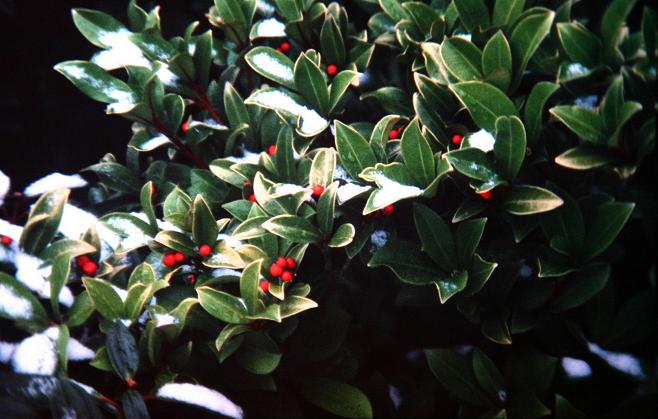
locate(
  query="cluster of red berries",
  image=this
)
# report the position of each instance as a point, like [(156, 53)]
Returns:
[(317, 191), (88, 266), (332, 69), (388, 210), (395, 133), (282, 268), (457, 139), (6, 240), (283, 47), (175, 258)]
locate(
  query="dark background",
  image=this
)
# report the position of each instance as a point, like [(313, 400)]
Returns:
[(46, 124)]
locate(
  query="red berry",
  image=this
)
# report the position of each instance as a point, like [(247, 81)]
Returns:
[(89, 268), (284, 47), (393, 134), (486, 195), (332, 69), (252, 198), (169, 260), (317, 191), (185, 126), (179, 257), (290, 263), (192, 279), (6, 240), (264, 286), (271, 150), (131, 383), (81, 260), (281, 262), (286, 276), (276, 270), (205, 250), (278, 49), (246, 184), (457, 139), (388, 210)]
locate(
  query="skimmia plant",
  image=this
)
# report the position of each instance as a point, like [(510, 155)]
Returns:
[(360, 208)]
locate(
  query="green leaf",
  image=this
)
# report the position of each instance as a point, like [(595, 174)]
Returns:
[(472, 162), (106, 300), (230, 11), (584, 122), (606, 223), (343, 236), (447, 287), (99, 85), (331, 42), (581, 286), (467, 238), (323, 167), (99, 28), (565, 410), (204, 225), (336, 397), (293, 228), (423, 15), (222, 305), (43, 221), (249, 285), (137, 232), (612, 28), (506, 11), (176, 241), (584, 158), (534, 108), (58, 277), (392, 99), (494, 327), (527, 199), (250, 228), (407, 262), (308, 122), (478, 274), (497, 61), (473, 14), (70, 247), (80, 311), (526, 36), (339, 85), (138, 295), (294, 304), (455, 374), (436, 237), (462, 59), (146, 200), (417, 154), (394, 183), (258, 354), (122, 350), (489, 377), (272, 65), (393, 9), (580, 45), (117, 177), (310, 82), (18, 303), (326, 208), (354, 151), (236, 111), (290, 9), (510, 145), (484, 102)]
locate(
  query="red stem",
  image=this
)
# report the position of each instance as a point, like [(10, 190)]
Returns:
[(181, 147)]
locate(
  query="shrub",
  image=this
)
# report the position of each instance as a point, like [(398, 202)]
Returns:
[(374, 208)]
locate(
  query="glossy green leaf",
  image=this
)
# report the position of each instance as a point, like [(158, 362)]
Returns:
[(584, 122), (272, 65), (222, 305), (99, 28), (81, 310), (581, 287), (448, 287), (236, 111), (473, 14), (584, 158), (392, 99), (462, 59), (106, 300), (417, 154), (43, 221), (527, 199), (436, 237), (407, 262), (204, 225), (294, 304), (293, 228), (122, 350), (336, 397), (472, 162), (484, 102), (455, 374), (249, 281), (98, 84), (290, 9), (612, 28), (604, 226), (467, 238), (323, 167), (331, 42), (497, 61), (510, 145), (176, 241), (534, 108), (354, 151), (488, 376), (343, 236), (310, 82), (526, 36), (70, 247), (394, 183), (506, 11), (339, 85), (580, 45), (116, 176), (326, 208), (59, 275)]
